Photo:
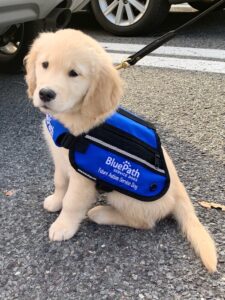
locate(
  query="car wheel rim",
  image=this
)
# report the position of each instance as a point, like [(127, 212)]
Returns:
[(123, 12)]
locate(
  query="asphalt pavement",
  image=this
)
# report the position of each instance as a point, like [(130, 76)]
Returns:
[(109, 262)]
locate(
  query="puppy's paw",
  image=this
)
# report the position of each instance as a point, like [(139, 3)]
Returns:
[(52, 203), (106, 214), (62, 230), (97, 214)]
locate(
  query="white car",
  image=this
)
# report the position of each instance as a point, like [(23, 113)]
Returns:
[(21, 20)]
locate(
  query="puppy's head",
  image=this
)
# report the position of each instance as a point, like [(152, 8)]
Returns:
[(69, 72)]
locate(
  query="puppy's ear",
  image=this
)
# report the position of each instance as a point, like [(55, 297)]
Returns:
[(105, 92), (29, 64), (30, 60)]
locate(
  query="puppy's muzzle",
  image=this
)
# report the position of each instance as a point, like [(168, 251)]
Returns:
[(47, 95)]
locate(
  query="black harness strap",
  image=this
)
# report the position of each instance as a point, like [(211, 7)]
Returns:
[(67, 141)]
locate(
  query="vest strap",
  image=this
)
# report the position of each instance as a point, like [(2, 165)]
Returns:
[(67, 141), (103, 187)]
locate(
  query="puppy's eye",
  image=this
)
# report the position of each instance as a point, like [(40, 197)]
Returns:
[(45, 64), (72, 73)]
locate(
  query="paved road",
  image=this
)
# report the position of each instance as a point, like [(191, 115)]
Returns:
[(103, 262)]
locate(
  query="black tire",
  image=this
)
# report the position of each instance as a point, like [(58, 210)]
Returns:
[(155, 14), (201, 6), (13, 63)]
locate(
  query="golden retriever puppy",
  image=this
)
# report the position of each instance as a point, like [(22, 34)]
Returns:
[(83, 89)]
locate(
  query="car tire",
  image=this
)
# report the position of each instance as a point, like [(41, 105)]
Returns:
[(201, 6), (13, 62), (154, 14)]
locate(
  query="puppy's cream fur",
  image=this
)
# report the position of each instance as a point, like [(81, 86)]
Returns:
[(81, 103)]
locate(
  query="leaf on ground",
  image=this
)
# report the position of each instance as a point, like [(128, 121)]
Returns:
[(9, 193), (212, 205)]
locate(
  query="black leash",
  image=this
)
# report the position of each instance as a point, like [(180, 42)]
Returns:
[(133, 59)]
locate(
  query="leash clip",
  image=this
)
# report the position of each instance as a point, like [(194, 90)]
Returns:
[(123, 65)]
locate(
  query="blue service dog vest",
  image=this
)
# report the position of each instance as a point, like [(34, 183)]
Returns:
[(123, 154)]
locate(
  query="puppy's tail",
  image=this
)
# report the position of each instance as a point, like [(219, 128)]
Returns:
[(196, 234)]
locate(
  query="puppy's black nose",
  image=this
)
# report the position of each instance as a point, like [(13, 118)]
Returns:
[(47, 95)]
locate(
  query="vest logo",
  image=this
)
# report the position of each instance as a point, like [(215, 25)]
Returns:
[(123, 167), (49, 125)]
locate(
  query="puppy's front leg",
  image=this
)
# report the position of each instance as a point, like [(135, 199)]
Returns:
[(80, 195), (53, 202)]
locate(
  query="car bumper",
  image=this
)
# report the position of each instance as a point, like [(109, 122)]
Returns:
[(17, 11)]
